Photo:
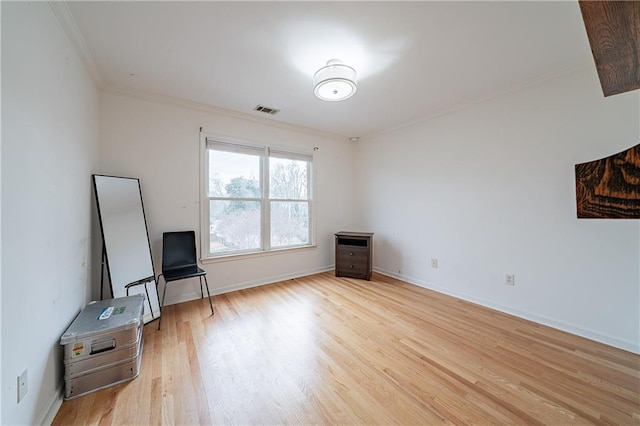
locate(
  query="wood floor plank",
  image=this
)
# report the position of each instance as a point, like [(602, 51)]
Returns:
[(327, 350)]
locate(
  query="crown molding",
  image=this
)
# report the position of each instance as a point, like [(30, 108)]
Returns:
[(67, 21), (533, 82), (184, 103)]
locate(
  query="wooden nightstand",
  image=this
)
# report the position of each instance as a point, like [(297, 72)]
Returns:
[(354, 254)]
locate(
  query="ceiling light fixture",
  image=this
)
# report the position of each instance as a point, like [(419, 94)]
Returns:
[(335, 81)]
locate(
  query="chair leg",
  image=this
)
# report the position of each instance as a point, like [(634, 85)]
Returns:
[(157, 285), (164, 293), (208, 294), (148, 300)]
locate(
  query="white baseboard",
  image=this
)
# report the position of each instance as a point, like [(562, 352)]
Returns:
[(248, 284), (147, 318), (54, 407), (559, 325)]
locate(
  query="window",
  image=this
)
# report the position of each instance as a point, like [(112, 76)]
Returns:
[(255, 199)]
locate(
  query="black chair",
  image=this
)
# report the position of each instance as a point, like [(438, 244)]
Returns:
[(179, 262)]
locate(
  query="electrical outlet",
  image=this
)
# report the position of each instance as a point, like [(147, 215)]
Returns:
[(22, 385), (434, 263), (510, 279)]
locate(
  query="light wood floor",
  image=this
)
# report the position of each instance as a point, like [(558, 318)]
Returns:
[(328, 350)]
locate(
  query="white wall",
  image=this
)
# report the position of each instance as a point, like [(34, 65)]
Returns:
[(49, 145), (158, 142), (1, 385), (489, 190)]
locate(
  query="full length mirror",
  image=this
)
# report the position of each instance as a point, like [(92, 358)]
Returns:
[(126, 248)]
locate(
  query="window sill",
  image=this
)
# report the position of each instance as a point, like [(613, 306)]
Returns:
[(244, 256)]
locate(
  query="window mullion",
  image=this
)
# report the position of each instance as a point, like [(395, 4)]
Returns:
[(310, 196), (205, 214), (266, 204)]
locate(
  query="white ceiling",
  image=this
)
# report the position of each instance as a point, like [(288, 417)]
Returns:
[(414, 59)]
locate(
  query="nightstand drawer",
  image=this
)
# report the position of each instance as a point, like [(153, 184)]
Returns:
[(352, 254), (352, 270)]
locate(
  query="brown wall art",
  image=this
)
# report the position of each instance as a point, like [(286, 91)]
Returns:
[(610, 188)]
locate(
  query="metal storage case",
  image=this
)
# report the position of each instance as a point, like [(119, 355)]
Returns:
[(103, 345)]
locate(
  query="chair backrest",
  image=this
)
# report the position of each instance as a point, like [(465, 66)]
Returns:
[(178, 249)]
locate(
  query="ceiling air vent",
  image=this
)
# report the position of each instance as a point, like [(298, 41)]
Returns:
[(266, 110)]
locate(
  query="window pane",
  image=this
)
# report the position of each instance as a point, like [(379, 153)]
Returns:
[(234, 226), (288, 179), (234, 175), (289, 223)]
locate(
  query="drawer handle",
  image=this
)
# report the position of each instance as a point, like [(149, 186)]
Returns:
[(351, 254), (350, 266)]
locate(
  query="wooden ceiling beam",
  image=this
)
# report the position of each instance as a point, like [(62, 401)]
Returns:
[(613, 29)]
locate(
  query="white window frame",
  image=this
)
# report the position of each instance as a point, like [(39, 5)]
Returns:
[(265, 151)]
